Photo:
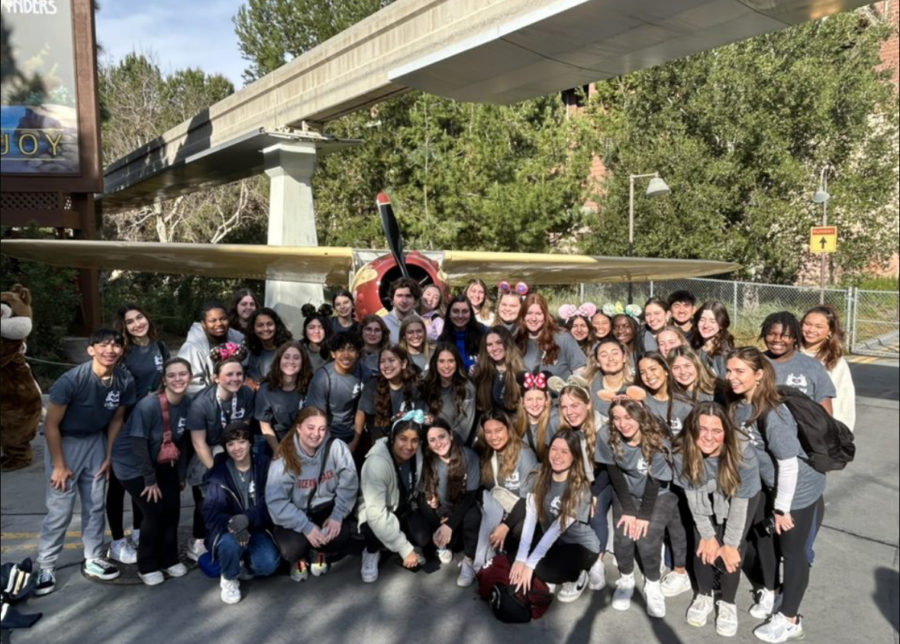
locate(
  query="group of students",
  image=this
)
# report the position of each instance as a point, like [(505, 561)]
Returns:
[(445, 427)]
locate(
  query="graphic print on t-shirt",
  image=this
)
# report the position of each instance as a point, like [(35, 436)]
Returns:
[(112, 399)]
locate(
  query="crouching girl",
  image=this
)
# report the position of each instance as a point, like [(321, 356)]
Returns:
[(389, 486), (448, 516), (558, 543), (234, 511), (312, 488)]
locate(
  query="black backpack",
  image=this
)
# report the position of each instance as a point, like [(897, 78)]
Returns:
[(827, 441)]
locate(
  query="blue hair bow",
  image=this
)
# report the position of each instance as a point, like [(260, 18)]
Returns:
[(415, 415)]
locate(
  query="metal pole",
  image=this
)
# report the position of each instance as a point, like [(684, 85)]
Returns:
[(824, 181), (630, 233)]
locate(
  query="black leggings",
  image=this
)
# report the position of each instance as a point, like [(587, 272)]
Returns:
[(649, 546), (793, 555), (706, 573), (294, 546), (115, 509), (158, 546), (199, 526), (424, 521), (564, 562)]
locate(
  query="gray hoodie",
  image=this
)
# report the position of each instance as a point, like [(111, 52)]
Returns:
[(196, 351), (287, 494), (380, 497)]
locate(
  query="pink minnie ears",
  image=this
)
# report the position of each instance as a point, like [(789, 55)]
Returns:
[(521, 288), (534, 381), (228, 350), (567, 311)]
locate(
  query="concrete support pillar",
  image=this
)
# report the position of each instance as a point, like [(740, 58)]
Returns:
[(292, 222)]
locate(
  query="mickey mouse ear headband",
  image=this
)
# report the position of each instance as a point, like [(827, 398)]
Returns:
[(520, 289), (556, 384), (586, 310), (537, 380), (632, 310)]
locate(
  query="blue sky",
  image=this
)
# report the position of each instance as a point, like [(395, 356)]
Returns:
[(174, 33)]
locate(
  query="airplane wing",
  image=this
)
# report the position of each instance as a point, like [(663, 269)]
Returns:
[(322, 264), (332, 265), (542, 268)]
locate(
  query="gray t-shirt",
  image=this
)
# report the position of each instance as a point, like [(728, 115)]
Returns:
[(209, 413), (146, 422), (460, 420), (781, 443), (530, 437), (91, 404), (146, 365), (580, 531), (632, 463), (569, 358), (244, 482), (338, 394), (748, 471), (258, 365), (472, 478), (518, 480), (277, 407), (399, 405), (806, 374), (648, 340), (660, 409)]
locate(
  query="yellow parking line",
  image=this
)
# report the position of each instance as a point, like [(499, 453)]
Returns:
[(29, 546)]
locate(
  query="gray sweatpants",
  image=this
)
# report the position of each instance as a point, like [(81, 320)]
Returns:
[(84, 455)]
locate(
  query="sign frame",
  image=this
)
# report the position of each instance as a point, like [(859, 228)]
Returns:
[(823, 239), (89, 179)]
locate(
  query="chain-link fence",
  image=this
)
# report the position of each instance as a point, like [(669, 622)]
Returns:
[(870, 318)]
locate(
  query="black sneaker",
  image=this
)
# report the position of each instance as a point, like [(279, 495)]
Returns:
[(99, 569), (46, 582)]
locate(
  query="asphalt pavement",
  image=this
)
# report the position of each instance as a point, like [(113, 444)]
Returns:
[(852, 597)]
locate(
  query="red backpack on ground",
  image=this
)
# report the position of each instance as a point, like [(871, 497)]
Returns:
[(508, 604)]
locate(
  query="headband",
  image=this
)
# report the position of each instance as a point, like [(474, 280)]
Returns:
[(534, 381), (415, 415), (520, 289), (568, 311), (631, 310), (557, 384), (227, 350)]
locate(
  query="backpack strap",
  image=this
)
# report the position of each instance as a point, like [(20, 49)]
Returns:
[(328, 442)]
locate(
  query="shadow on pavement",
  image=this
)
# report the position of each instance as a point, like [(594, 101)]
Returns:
[(876, 380), (887, 593)]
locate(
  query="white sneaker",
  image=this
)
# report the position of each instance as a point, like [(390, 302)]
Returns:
[(597, 575), (319, 567), (369, 570), (444, 555), (466, 573), (299, 571), (622, 594), (176, 570), (700, 610), (779, 629), (727, 621), (231, 590), (765, 604), (675, 583), (152, 578), (571, 590), (195, 549), (122, 551), (656, 601)]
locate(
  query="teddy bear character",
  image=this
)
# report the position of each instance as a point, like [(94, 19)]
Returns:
[(20, 396)]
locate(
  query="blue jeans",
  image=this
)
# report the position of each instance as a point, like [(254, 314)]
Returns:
[(261, 550)]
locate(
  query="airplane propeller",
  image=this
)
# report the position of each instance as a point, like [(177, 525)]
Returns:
[(391, 231)]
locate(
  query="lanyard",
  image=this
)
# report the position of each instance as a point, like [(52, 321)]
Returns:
[(226, 418)]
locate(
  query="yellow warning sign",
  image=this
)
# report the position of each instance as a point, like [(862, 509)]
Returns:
[(823, 239)]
